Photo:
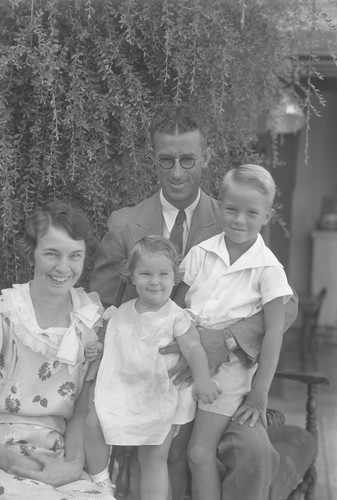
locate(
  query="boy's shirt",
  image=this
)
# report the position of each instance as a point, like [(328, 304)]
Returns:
[(220, 293)]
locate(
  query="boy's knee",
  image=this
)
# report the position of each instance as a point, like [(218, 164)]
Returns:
[(198, 455)]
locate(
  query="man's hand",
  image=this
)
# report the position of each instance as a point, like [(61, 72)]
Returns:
[(181, 370), (213, 341), (52, 471)]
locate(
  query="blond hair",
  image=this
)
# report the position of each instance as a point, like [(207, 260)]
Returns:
[(253, 175)]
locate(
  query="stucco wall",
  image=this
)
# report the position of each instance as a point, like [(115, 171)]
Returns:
[(313, 181)]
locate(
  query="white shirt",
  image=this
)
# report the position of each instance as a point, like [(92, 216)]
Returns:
[(170, 214), (221, 293)]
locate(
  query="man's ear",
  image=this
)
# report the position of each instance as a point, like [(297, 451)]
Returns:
[(207, 156)]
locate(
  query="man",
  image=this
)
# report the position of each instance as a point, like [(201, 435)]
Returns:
[(181, 153)]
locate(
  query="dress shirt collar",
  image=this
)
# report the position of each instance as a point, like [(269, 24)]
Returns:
[(170, 213)]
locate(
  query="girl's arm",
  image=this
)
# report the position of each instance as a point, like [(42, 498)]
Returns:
[(204, 387), (255, 405)]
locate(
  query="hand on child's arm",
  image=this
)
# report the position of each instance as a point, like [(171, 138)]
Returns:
[(206, 389), (93, 351), (253, 408)]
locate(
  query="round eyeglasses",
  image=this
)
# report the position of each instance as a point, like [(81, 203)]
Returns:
[(186, 162)]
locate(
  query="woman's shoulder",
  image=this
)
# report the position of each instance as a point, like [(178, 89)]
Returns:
[(14, 298)]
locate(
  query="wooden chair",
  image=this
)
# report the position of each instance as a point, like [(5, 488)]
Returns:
[(297, 447), (310, 308)]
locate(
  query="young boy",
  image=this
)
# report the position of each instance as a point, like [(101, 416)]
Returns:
[(226, 278)]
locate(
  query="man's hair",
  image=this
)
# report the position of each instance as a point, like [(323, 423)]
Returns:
[(179, 119), (151, 244), (253, 175)]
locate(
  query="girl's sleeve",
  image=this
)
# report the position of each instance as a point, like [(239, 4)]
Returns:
[(108, 313), (182, 323), (274, 284)]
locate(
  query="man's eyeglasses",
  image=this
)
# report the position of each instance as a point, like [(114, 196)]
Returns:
[(186, 162)]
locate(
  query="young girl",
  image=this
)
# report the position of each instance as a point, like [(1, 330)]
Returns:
[(226, 278), (135, 400)]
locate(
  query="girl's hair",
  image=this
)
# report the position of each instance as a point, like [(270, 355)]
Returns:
[(253, 175), (60, 215), (152, 245)]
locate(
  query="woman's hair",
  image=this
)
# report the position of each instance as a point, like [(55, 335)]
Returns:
[(60, 215), (151, 245), (253, 175)]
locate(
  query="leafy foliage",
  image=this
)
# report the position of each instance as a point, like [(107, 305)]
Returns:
[(80, 80)]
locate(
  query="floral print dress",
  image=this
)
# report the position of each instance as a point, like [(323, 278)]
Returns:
[(41, 376)]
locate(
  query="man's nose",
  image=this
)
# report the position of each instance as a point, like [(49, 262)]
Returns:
[(177, 169)]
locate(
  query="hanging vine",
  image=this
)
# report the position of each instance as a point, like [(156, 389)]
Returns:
[(79, 82)]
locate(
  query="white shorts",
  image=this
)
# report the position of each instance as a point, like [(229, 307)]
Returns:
[(235, 381)]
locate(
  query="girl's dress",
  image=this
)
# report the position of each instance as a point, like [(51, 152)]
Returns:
[(135, 399), (41, 376)]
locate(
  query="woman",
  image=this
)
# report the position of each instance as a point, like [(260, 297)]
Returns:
[(44, 378)]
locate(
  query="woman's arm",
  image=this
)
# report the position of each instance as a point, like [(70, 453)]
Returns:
[(255, 404), (204, 387), (55, 471)]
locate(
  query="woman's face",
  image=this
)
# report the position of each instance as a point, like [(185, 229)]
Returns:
[(58, 262)]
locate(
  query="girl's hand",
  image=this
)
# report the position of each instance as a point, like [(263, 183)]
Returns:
[(206, 389), (253, 408), (93, 351)]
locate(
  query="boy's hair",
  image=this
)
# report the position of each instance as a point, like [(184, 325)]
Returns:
[(253, 175), (151, 244), (60, 215), (179, 119)]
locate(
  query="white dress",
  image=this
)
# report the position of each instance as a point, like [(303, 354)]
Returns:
[(136, 401)]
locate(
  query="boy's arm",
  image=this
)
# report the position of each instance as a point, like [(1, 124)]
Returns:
[(255, 404), (249, 333), (204, 387)]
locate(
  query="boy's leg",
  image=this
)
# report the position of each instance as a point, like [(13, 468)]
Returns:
[(207, 431), (96, 450), (154, 478), (177, 461)]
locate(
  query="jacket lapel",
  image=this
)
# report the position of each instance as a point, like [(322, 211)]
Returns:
[(150, 218)]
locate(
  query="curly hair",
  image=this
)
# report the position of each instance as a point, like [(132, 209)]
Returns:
[(59, 214), (151, 244)]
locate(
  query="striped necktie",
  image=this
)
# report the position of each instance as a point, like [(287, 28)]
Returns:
[(176, 236)]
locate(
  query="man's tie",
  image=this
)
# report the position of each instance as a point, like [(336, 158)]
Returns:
[(176, 236)]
